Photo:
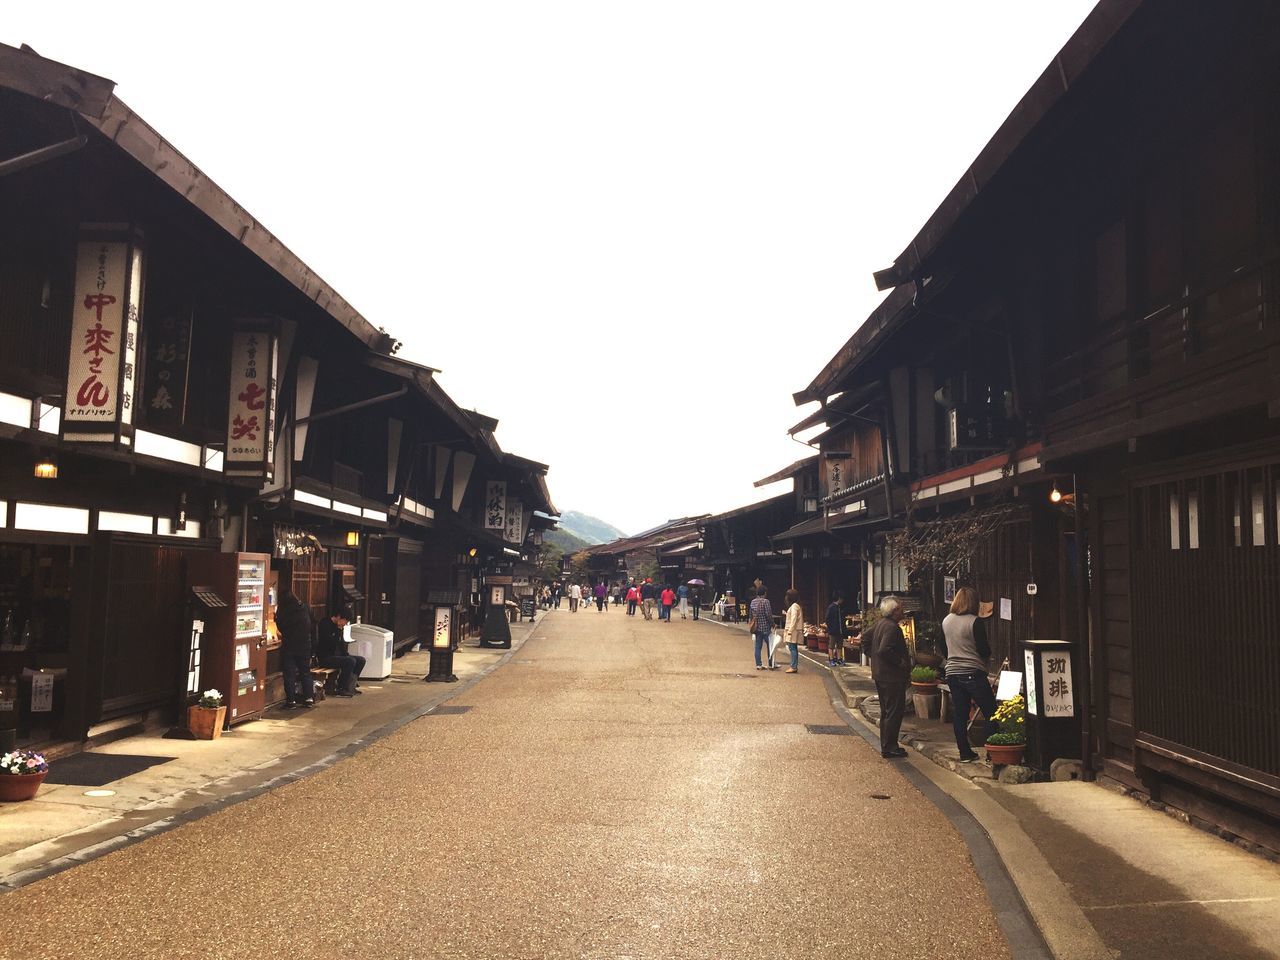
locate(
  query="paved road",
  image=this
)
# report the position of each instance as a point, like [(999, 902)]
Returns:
[(620, 789)]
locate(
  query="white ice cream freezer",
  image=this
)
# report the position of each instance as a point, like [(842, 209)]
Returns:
[(375, 645)]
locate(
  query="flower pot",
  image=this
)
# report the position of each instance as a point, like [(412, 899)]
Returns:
[(928, 705), (205, 723), (1005, 754), (20, 786), (926, 687), (923, 659), (811, 642), (824, 644)]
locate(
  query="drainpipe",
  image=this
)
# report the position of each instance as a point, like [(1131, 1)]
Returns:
[(1082, 631), (41, 154)]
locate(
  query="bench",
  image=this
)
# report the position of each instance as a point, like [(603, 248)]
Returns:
[(327, 677)]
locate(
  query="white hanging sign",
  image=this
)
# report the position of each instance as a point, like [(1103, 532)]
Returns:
[(495, 505), (514, 532), (251, 407), (104, 331)]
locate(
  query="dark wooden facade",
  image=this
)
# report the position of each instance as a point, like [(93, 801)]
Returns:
[(375, 500), (1102, 288)]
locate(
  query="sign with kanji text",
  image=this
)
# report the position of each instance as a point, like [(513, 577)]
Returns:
[(165, 365), (495, 505), (441, 638), (106, 311), (514, 532), (1029, 659), (1056, 695), (251, 407)]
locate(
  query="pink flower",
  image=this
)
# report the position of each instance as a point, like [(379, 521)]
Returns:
[(31, 762)]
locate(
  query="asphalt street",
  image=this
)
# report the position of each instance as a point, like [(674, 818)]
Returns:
[(618, 789)]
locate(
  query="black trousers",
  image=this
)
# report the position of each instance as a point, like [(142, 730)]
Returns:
[(348, 669), (893, 699), (297, 677)]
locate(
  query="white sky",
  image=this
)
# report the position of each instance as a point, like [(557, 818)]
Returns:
[(629, 231)]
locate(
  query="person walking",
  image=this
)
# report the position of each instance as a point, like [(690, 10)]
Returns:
[(966, 648), (891, 671), (647, 593), (682, 593), (601, 594), (761, 625), (575, 595), (557, 588), (835, 630), (695, 597), (793, 632), (633, 597), (668, 601), (293, 622)]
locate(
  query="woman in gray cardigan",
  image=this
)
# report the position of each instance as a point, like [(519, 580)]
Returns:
[(967, 650)]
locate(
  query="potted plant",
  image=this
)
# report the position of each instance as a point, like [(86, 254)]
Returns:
[(924, 680), (1007, 745), (924, 693), (205, 716), (21, 773)]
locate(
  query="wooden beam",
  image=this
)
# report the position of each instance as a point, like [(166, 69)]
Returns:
[(52, 82)]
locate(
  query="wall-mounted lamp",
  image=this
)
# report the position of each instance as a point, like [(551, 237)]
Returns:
[(46, 468), (353, 538), (472, 552), (1055, 495)]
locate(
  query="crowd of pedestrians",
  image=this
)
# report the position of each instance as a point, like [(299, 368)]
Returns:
[(653, 601)]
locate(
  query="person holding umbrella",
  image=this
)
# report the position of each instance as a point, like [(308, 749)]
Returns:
[(695, 596)]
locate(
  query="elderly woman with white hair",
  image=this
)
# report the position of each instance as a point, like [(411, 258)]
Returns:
[(891, 670)]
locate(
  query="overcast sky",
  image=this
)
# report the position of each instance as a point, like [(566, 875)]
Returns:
[(629, 231)]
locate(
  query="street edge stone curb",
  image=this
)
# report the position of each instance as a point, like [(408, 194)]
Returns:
[(1016, 920), (23, 878)]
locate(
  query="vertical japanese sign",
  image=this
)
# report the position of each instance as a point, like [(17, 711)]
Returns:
[(164, 393), (514, 532), (1056, 695), (441, 638), (495, 505), (106, 311), (251, 408), (1029, 661), (835, 475)]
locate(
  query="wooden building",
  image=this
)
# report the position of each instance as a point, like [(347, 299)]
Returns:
[(183, 401), (1078, 367)]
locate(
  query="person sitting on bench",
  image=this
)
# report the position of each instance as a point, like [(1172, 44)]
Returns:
[(332, 651)]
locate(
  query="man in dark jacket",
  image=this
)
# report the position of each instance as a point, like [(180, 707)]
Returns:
[(835, 630), (331, 650), (891, 670), (293, 623)]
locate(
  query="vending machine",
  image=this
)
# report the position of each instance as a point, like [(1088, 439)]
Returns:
[(235, 637)]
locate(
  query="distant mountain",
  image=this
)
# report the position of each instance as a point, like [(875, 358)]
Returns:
[(587, 528), (565, 540)]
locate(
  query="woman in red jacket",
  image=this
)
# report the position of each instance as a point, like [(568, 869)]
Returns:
[(668, 601)]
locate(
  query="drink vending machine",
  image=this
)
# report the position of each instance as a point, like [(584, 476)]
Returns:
[(235, 637)]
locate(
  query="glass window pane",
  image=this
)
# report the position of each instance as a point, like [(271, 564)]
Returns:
[(1193, 520), (1175, 539), (1258, 515)]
